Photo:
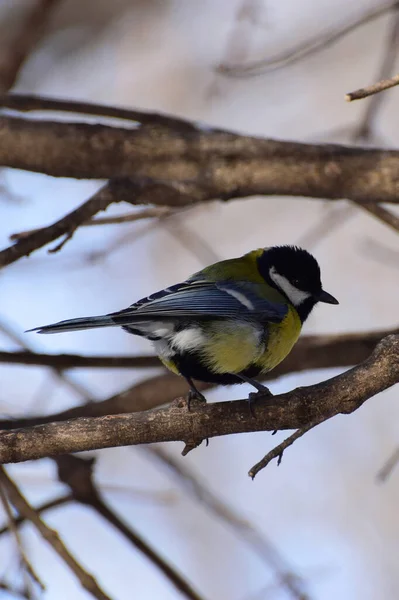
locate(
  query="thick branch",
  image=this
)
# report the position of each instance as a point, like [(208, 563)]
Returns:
[(217, 164), (311, 352), (145, 395), (293, 410)]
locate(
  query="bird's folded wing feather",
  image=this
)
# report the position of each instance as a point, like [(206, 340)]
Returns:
[(204, 299)]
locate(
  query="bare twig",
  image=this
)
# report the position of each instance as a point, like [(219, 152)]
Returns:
[(374, 88), (65, 226), (344, 393), (310, 352), (77, 473), (363, 131), (22, 340), (13, 528), (51, 536), (39, 509), (13, 58), (28, 103), (147, 213), (278, 451), (382, 214), (308, 48), (246, 530), (74, 361)]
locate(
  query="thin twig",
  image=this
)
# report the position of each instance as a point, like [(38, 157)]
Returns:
[(14, 529), (22, 340), (25, 509), (382, 214), (374, 88), (146, 213), (28, 103), (310, 352), (298, 53), (252, 536), (364, 130), (39, 509), (74, 361), (65, 226), (278, 451)]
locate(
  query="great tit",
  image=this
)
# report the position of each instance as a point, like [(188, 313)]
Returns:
[(228, 323)]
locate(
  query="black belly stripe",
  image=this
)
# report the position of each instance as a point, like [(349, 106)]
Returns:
[(190, 364)]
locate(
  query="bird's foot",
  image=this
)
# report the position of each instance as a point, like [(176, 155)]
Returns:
[(262, 393), (194, 396)]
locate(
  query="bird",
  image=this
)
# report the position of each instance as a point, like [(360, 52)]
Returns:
[(229, 323)]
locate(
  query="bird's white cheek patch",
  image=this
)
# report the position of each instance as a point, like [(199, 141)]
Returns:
[(295, 295), (188, 339)]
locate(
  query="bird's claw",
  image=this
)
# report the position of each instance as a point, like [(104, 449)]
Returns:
[(262, 392), (194, 396)]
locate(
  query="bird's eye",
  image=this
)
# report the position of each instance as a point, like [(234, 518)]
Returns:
[(295, 282)]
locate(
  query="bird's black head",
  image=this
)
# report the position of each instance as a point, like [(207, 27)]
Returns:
[(295, 273)]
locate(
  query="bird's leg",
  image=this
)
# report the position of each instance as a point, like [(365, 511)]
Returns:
[(193, 394), (262, 390)]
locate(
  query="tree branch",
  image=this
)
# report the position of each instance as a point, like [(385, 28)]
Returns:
[(372, 89), (278, 451), (311, 352), (156, 212), (65, 226), (60, 501), (28, 103), (201, 165), (51, 536), (12, 526), (116, 190), (74, 361), (293, 410), (304, 50)]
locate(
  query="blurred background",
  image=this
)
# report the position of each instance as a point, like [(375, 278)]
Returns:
[(259, 67)]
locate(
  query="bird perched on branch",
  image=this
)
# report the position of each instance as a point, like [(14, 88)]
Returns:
[(228, 323)]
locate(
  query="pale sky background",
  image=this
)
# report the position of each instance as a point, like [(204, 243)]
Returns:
[(323, 509)]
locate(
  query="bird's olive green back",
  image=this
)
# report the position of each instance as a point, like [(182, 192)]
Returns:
[(244, 268)]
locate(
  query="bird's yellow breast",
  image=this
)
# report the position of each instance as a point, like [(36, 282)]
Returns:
[(281, 339)]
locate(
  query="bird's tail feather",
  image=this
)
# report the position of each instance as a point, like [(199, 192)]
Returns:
[(76, 324)]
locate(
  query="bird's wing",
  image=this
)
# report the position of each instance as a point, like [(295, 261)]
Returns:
[(204, 299)]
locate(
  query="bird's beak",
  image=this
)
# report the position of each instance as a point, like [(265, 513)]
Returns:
[(327, 298)]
